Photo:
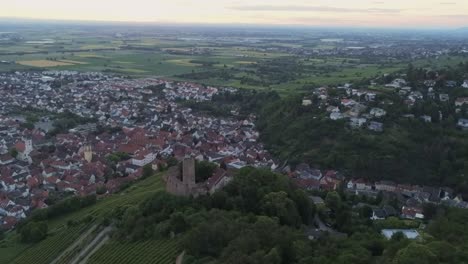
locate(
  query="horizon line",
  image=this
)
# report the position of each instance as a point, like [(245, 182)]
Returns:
[(271, 25)]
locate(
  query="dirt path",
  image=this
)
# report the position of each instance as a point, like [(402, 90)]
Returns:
[(75, 244), (97, 241), (96, 248), (180, 258)]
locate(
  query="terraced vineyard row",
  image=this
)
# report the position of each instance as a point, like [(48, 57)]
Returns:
[(51, 247), (151, 251)]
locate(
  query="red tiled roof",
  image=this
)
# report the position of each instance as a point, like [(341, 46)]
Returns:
[(20, 146)]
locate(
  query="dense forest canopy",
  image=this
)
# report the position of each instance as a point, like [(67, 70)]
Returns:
[(261, 218)]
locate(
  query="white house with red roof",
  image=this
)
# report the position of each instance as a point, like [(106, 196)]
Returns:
[(24, 148), (461, 101), (143, 157)]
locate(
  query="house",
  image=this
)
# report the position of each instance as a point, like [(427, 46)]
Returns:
[(331, 180), (6, 159), (143, 158), (336, 116), (303, 171), (378, 214), (397, 83), (444, 97), (306, 102), (463, 123), (356, 122), (408, 233), (461, 101), (218, 180), (410, 212), (348, 102), (24, 148), (307, 184), (426, 118), (377, 112), (465, 84), (389, 211), (386, 186), (375, 126), (360, 185), (317, 200), (332, 109), (451, 84), (370, 97)]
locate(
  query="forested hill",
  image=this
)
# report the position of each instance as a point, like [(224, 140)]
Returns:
[(408, 151), (260, 217)]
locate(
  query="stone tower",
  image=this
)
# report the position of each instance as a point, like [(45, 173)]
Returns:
[(88, 153), (188, 172)]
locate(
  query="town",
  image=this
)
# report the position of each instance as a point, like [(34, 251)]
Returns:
[(143, 128), (70, 133)]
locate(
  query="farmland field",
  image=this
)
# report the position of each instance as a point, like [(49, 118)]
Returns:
[(228, 61), (45, 63)]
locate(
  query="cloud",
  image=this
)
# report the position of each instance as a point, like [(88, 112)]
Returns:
[(325, 9), (460, 16)]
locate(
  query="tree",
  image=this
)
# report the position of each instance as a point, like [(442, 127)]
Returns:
[(415, 254), (429, 210), (444, 251), (333, 201), (365, 212), (33, 232), (147, 171), (277, 204), (14, 153), (204, 170), (101, 190), (273, 257)]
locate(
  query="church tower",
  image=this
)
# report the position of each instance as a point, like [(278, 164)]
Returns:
[(88, 153)]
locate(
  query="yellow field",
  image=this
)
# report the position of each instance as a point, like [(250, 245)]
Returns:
[(44, 63), (97, 46), (73, 62), (134, 71), (183, 62), (95, 56), (123, 62), (245, 62)]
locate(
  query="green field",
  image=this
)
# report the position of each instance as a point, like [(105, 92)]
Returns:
[(201, 59), (60, 236)]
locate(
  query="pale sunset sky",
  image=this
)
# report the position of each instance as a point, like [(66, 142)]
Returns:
[(368, 13)]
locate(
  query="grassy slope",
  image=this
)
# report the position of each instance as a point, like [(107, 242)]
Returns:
[(60, 235)]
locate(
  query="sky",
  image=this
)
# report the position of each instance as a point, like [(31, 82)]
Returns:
[(356, 13)]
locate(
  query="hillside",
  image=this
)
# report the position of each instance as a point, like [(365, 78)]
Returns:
[(260, 217), (70, 233)]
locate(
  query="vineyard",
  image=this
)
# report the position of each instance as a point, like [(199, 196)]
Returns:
[(60, 237), (133, 195), (151, 251), (52, 246)]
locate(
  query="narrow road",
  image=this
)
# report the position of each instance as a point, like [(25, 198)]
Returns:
[(96, 248), (75, 244), (85, 253), (321, 225)]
